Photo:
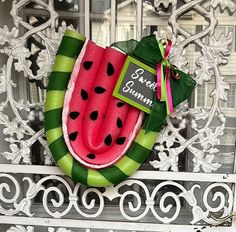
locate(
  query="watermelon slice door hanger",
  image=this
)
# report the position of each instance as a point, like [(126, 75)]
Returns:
[(94, 137)]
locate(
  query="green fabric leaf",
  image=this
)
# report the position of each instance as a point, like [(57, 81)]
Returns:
[(127, 46), (148, 51)]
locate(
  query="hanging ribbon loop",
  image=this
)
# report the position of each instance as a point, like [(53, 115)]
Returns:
[(163, 80)]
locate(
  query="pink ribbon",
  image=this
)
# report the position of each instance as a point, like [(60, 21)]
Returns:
[(168, 91), (167, 96), (159, 74)]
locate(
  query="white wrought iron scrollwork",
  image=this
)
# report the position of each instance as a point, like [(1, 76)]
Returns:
[(133, 205), (213, 54), (17, 130), (7, 187), (24, 205), (19, 228)]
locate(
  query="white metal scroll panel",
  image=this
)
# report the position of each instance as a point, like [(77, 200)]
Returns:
[(17, 209)]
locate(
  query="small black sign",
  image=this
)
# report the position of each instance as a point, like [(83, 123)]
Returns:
[(136, 84)]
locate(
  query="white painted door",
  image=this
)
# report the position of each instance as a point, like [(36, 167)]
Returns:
[(190, 176)]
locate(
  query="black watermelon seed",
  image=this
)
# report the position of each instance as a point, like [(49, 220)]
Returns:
[(94, 115), (120, 104), (72, 136), (74, 114), (84, 94), (99, 89), (120, 140), (87, 64), (108, 140), (110, 69), (119, 122), (91, 156)]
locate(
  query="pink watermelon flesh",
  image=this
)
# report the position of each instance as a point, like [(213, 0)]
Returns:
[(99, 128)]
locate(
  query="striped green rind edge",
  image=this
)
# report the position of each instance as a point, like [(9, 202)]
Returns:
[(52, 118), (66, 44), (53, 134), (54, 100), (58, 81)]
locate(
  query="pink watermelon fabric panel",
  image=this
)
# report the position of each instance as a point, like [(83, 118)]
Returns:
[(99, 128)]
